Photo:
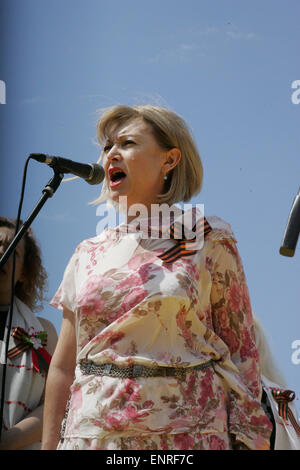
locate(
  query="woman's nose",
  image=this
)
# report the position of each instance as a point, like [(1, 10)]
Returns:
[(114, 153)]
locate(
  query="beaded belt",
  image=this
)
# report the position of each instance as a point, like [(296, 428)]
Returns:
[(137, 370)]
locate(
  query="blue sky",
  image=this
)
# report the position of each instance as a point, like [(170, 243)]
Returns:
[(226, 66)]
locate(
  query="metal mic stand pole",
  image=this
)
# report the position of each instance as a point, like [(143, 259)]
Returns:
[(48, 192)]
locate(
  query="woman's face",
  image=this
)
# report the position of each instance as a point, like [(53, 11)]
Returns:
[(134, 163), (6, 236)]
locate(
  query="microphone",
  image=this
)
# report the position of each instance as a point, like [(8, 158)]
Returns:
[(92, 173), (292, 230)]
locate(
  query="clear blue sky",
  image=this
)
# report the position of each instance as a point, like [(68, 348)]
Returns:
[(226, 66)]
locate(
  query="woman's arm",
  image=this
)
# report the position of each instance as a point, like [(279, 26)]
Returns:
[(29, 430), (233, 323), (24, 433), (60, 378), (232, 313)]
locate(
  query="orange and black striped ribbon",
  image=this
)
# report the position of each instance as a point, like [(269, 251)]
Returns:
[(185, 247), (282, 398), (25, 343)]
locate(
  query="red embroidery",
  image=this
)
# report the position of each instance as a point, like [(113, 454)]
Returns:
[(19, 403), (20, 366)]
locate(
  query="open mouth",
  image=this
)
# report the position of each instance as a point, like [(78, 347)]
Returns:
[(116, 175)]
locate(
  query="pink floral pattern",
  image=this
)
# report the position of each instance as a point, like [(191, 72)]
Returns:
[(147, 312)]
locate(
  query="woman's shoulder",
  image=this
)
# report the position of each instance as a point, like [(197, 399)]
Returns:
[(96, 240), (220, 229), (51, 333)]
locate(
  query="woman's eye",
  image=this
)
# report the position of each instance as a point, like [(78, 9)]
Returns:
[(128, 142), (107, 147)]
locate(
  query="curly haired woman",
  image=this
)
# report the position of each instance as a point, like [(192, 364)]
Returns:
[(25, 376)]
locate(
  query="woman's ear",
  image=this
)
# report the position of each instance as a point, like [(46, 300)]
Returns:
[(172, 159)]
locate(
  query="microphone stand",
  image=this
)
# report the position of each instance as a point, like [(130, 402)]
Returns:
[(48, 192)]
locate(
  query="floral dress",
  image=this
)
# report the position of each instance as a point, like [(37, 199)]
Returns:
[(133, 308)]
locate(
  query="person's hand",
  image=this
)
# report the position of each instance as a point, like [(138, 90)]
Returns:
[(237, 445), (240, 446)]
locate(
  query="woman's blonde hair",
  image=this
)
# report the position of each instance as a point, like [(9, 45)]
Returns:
[(170, 131), (266, 361)]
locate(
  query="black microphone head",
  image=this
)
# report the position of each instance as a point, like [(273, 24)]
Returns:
[(291, 234), (97, 175), (39, 157)]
